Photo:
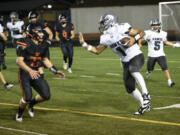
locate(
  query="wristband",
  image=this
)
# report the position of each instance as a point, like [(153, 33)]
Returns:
[(89, 47), (53, 69), (137, 37), (84, 44)]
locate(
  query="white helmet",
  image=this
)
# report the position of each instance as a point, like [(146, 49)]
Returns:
[(14, 16), (155, 23), (107, 21)]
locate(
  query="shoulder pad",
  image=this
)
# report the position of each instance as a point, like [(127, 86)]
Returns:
[(22, 44)]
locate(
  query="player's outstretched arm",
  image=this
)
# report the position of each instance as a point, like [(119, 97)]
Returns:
[(136, 33), (93, 49), (171, 44), (52, 68), (33, 73)]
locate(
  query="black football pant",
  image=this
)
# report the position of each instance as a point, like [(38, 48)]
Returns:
[(67, 49), (26, 85)]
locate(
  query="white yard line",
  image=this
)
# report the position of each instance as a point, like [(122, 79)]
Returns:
[(113, 74), (168, 107), (87, 76), (22, 131)]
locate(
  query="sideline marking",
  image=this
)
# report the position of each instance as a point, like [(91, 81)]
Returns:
[(114, 74), (168, 107), (87, 76), (101, 115), (23, 131)]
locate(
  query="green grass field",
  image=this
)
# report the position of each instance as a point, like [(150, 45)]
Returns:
[(98, 105)]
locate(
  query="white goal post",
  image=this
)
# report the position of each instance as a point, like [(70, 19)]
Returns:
[(169, 15)]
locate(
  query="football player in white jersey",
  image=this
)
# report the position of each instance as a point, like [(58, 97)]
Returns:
[(156, 39), (15, 27), (114, 36), (2, 39)]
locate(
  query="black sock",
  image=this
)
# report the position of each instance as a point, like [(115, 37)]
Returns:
[(33, 102), (20, 111)]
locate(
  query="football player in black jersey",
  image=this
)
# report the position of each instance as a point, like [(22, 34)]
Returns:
[(32, 52), (33, 18), (64, 34), (34, 21)]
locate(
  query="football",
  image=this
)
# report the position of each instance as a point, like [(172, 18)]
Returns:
[(127, 41)]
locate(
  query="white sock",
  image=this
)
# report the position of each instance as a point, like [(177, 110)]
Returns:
[(137, 95), (140, 81), (169, 81)]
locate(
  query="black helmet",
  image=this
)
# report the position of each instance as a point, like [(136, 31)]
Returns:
[(33, 33), (32, 14), (62, 17)]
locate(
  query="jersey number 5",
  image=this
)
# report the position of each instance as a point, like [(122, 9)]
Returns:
[(157, 45), (64, 34)]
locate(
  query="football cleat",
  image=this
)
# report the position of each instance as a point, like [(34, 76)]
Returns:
[(65, 66), (19, 118), (69, 70), (142, 110), (30, 111), (148, 74), (171, 84), (146, 99), (8, 86)]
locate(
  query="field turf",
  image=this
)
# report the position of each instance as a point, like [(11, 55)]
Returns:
[(92, 100)]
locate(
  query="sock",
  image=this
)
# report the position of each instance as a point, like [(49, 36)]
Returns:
[(20, 111), (33, 102), (137, 95), (140, 81), (169, 81)]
